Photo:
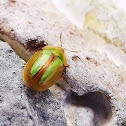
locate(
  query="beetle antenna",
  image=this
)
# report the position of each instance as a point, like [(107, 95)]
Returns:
[(70, 50), (62, 43), (60, 38)]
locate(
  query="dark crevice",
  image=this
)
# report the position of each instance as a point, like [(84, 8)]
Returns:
[(35, 45), (96, 101)]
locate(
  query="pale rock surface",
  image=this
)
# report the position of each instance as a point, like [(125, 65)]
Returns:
[(20, 106), (89, 71)]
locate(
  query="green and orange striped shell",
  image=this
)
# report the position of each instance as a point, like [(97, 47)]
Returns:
[(44, 68)]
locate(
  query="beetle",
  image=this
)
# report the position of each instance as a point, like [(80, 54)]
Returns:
[(45, 67)]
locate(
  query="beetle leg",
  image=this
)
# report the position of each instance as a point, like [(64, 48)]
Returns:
[(46, 44), (61, 78)]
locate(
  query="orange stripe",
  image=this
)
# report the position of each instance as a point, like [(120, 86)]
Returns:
[(55, 76), (36, 78)]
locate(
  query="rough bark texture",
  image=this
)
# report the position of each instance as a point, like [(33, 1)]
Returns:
[(27, 26), (19, 106)]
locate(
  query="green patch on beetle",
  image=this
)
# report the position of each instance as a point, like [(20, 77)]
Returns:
[(40, 62)]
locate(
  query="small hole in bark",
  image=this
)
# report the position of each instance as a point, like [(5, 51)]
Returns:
[(96, 101), (10, 51), (1, 99), (123, 124), (14, 72)]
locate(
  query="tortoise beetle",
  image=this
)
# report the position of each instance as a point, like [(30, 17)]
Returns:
[(45, 67)]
